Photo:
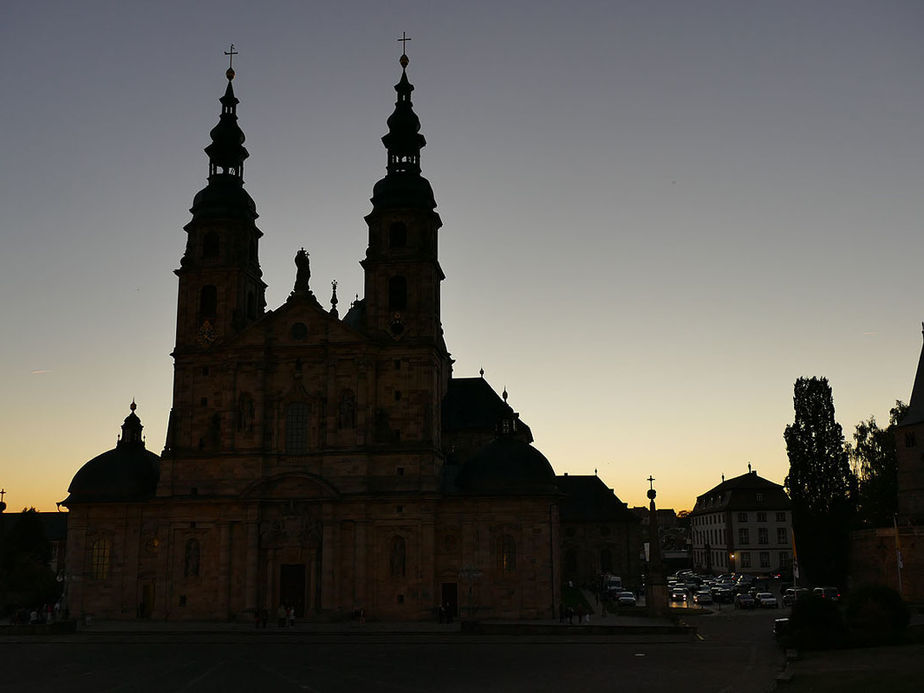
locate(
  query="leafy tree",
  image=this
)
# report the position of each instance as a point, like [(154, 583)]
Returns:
[(874, 458), (25, 578), (819, 483)]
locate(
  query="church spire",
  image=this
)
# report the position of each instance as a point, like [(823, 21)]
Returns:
[(915, 413), (225, 195), (403, 186)]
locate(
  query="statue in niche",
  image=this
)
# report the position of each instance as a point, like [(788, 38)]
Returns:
[(303, 273), (245, 413), (347, 417)]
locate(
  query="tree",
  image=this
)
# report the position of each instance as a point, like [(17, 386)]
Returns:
[(876, 465), (25, 578), (819, 483)]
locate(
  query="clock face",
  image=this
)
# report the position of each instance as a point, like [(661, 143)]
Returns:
[(206, 334)]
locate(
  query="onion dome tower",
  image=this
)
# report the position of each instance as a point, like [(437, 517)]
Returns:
[(126, 473), (402, 270), (221, 289)]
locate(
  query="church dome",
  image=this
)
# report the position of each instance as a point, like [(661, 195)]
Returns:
[(128, 472), (507, 466)]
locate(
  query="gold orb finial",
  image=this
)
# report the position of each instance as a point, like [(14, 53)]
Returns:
[(229, 73), (403, 60)]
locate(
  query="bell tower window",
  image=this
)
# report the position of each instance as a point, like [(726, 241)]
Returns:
[(208, 301), (210, 245), (397, 235), (397, 293)]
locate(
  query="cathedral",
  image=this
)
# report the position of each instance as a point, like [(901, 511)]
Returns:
[(332, 464)]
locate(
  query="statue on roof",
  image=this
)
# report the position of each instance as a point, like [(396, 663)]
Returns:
[(303, 274)]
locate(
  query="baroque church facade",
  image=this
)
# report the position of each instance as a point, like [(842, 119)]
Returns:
[(333, 464)]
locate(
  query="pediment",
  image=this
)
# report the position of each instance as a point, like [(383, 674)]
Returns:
[(291, 486)]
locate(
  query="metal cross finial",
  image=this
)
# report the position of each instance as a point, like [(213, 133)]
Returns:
[(650, 481), (231, 53), (404, 39), (2, 494)]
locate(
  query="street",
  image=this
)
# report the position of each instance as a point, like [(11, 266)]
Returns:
[(734, 652)]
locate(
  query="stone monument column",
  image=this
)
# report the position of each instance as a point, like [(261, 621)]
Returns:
[(656, 585)]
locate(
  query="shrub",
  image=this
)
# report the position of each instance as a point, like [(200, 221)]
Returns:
[(876, 615), (817, 624)]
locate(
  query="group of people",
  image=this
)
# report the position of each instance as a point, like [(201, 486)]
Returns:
[(445, 612), (44, 614), (285, 617), (569, 613)]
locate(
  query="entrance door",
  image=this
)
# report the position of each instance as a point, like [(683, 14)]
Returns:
[(292, 587), (147, 600), (451, 598)]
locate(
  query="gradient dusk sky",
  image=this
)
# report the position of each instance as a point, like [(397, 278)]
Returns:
[(657, 215)]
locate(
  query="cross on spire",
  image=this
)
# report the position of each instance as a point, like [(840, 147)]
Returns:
[(404, 39), (650, 481), (231, 53)]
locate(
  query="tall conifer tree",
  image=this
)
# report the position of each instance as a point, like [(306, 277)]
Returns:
[(819, 482)]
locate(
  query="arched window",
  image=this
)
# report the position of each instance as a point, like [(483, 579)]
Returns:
[(397, 293), (210, 244), (297, 428), (99, 558), (606, 561), (191, 561), (570, 563), (208, 301), (506, 554), (397, 235), (397, 562), (346, 417), (245, 413)]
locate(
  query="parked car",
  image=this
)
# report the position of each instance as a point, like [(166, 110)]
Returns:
[(744, 601), (702, 597), (626, 599), (678, 595), (766, 600), (793, 594), (831, 593), (723, 595)]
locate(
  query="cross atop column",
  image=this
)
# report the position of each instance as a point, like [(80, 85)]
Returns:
[(650, 481), (231, 53), (404, 39)]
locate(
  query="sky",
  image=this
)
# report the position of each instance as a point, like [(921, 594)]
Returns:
[(657, 215)]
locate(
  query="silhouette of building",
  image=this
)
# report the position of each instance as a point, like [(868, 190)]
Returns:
[(600, 535), (742, 525), (331, 464)]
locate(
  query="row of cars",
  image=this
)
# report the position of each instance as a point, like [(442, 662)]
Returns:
[(741, 590)]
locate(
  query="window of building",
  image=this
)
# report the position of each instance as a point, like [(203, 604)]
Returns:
[(397, 293), (742, 517), (781, 517), (744, 535), (210, 244), (784, 559), (191, 559), (397, 235), (99, 559), (761, 517), (208, 301), (570, 563), (606, 561), (764, 559), (763, 535), (909, 440), (398, 560), (506, 554), (297, 428), (745, 559), (781, 537), (759, 498)]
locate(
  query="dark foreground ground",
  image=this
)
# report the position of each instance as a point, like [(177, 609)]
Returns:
[(732, 653)]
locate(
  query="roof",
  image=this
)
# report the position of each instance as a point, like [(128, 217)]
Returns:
[(507, 466), (915, 413), (740, 493), (588, 499), (471, 403)]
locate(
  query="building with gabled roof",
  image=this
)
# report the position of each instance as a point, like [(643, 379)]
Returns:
[(742, 525)]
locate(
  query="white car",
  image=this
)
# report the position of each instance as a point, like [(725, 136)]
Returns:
[(765, 600), (625, 599)]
